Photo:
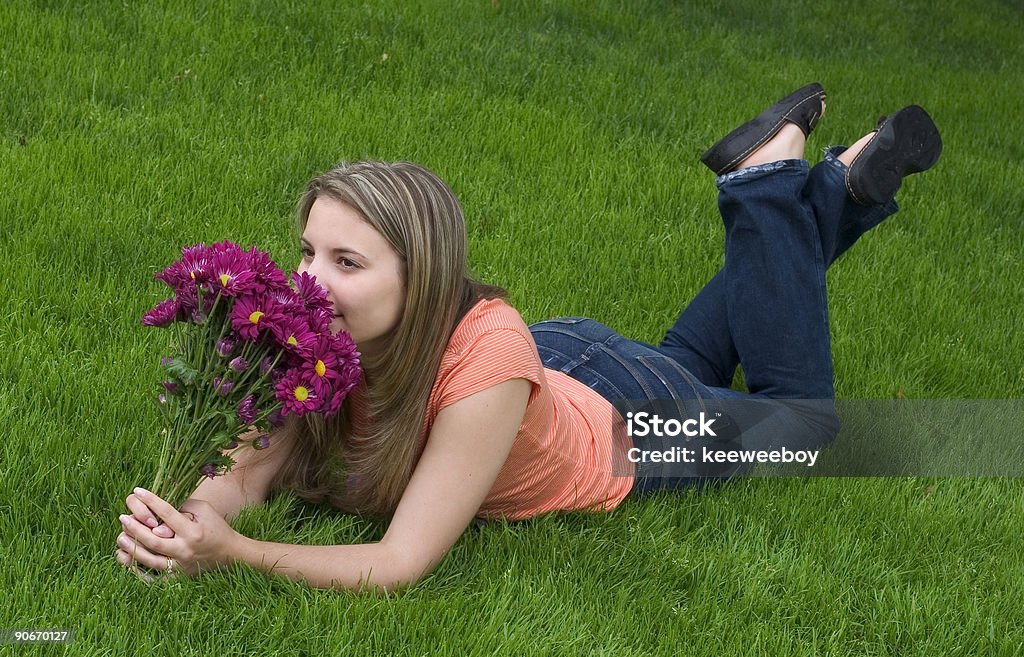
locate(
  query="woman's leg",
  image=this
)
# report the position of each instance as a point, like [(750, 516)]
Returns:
[(841, 221), (773, 289), (701, 339), (774, 273), (849, 193)]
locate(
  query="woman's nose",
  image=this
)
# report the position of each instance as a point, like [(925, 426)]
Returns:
[(311, 267)]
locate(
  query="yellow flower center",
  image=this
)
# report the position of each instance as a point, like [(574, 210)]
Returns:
[(291, 340), (321, 369), (301, 394), (254, 317), (224, 278)]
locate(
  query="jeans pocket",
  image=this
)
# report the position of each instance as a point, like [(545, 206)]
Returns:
[(680, 383), (592, 378), (553, 359)]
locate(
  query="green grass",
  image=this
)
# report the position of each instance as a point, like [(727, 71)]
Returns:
[(570, 131)]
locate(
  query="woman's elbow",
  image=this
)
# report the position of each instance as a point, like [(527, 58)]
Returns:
[(395, 572), (406, 575)]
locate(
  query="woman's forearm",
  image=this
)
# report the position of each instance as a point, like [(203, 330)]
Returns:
[(353, 567)]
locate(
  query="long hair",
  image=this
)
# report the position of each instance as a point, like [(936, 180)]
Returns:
[(364, 467)]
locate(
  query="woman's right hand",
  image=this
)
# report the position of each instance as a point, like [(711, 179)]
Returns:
[(142, 514)]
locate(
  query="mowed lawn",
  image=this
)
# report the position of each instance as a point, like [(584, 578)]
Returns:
[(571, 133)]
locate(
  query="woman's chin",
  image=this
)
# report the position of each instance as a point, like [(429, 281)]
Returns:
[(338, 325)]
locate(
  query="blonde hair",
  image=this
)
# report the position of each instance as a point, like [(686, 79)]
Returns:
[(366, 469)]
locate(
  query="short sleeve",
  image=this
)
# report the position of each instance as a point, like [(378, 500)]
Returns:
[(496, 356)]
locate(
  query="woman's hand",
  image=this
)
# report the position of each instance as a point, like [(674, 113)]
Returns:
[(194, 540), (146, 517)]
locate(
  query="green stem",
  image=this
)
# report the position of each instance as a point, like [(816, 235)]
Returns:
[(187, 445)]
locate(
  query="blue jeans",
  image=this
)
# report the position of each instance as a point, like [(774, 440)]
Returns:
[(766, 308)]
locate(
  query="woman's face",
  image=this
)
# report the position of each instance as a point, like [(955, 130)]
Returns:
[(360, 271)]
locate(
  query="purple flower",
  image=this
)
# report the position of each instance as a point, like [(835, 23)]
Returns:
[(332, 369), (351, 379), (322, 361), (230, 274), (162, 398), (344, 346), (195, 261), (166, 361), (266, 364), (164, 313), (225, 346), (238, 364), (292, 333), (171, 387), (222, 387), (298, 394), (313, 295), (247, 409), (209, 470), (262, 442), (268, 277), (190, 270), (276, 419), (188, 299), (334, 363), (225, 248), (288, 300), (351, 374), (173, 275), (233, 444), (335, 403), (347, 371), (320, 320), (251, 313), (186, 275), (345, 349)]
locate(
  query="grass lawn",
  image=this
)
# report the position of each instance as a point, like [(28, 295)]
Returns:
[(571, 133)]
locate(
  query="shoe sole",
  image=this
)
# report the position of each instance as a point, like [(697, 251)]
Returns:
[(733, 148), (907, 142)]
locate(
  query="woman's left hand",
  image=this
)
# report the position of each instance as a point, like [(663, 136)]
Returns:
[(202, 539)]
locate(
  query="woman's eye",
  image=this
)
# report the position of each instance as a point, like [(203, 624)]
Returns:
[(347, 264)]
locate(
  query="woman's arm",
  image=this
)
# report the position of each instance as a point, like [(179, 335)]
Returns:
[(468, 444)]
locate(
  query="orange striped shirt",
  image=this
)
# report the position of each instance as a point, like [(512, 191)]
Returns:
[(562, 458)]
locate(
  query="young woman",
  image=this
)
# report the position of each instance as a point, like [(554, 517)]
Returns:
[(465, 412)]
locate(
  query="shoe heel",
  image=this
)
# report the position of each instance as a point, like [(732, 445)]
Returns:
[(925, 143), (907, 142), (929, 152)]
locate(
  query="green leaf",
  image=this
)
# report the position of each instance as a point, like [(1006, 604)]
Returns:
[(182, 371)]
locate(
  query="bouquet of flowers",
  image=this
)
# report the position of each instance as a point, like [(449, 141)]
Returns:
[(248, 350)]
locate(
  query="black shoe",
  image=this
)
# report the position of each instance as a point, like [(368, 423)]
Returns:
[(803, 108), (906, 142)]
